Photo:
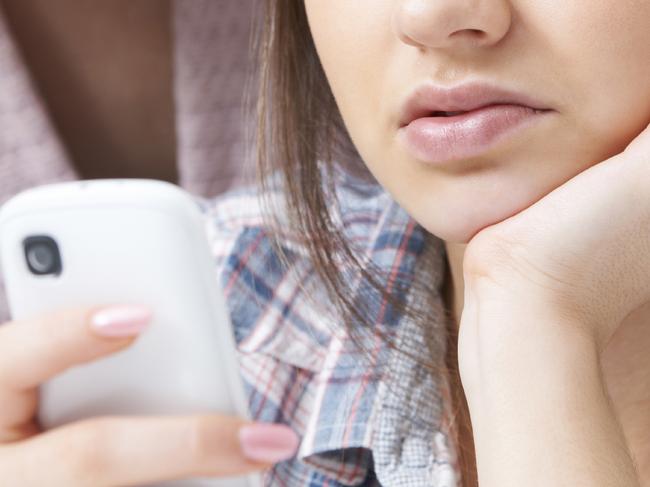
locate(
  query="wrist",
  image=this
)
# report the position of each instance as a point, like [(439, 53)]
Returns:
[(538, 400), (505, 336), (511, 292)]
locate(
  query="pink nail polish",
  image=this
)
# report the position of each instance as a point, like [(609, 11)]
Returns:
[(269, 443), (122, 320)]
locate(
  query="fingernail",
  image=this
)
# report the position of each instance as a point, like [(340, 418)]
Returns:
[(269, 443), (122, 320)]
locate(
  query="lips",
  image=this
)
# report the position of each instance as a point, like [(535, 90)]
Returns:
[(431, 101), (438, 126)]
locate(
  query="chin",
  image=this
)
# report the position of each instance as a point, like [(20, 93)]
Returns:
[(457, 232), (464, 220), (457, 208)]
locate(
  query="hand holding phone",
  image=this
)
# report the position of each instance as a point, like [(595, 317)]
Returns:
[(79, 260), (107, 450)]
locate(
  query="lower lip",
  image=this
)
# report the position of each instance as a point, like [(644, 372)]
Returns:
[(437, 140)]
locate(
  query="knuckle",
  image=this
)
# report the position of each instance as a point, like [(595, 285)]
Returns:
[(197, 439), (203, 440), (65, 323), (87, 441), (61, 323), (488, 253)]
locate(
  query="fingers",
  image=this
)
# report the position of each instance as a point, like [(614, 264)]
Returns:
[(126, 451), (32, 351), (111, 451)]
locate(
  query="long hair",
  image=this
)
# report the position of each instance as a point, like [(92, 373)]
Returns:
[(301, 136)]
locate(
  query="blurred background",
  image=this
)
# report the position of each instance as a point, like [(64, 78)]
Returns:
[(122, 89)]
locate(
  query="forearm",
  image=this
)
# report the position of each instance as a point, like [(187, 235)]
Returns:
[(540, 412)]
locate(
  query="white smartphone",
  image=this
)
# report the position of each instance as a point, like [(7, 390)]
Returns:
[(126, 241)]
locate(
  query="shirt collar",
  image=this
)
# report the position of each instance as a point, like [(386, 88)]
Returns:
[(345, 404)]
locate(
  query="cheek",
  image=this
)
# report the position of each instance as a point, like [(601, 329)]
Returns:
[(600, 51), (345, 44), (356, 57)]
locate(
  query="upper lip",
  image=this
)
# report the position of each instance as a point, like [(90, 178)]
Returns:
[(429, 98)]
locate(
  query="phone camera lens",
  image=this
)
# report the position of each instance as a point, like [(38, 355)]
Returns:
[(42, 255)]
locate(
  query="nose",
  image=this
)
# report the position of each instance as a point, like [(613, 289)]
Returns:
[(430, 24)]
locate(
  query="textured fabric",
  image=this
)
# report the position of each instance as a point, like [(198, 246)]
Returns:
[(30, 152), (365, 419), (210, 50), (211, 67)]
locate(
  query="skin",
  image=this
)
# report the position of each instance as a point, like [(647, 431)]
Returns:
[(590, 64)]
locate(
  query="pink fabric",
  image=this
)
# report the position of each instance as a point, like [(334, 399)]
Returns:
[(211, 40), (30, 152), (211, 65)]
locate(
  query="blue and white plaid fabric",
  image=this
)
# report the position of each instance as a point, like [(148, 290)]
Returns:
[(366, 418)]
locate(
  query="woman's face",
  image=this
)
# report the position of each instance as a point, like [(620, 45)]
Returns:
[(588, 61)]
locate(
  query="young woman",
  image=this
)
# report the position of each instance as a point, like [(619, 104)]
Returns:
[(502, 198)]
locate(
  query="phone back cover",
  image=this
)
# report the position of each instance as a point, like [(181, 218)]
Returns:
[(127, 241)]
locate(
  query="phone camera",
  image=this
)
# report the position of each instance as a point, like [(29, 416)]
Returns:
[(42, 255)]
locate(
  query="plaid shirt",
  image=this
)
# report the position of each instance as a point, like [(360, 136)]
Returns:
[(359, 425)]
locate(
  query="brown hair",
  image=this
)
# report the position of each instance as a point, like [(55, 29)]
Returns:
[(300, 132)]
